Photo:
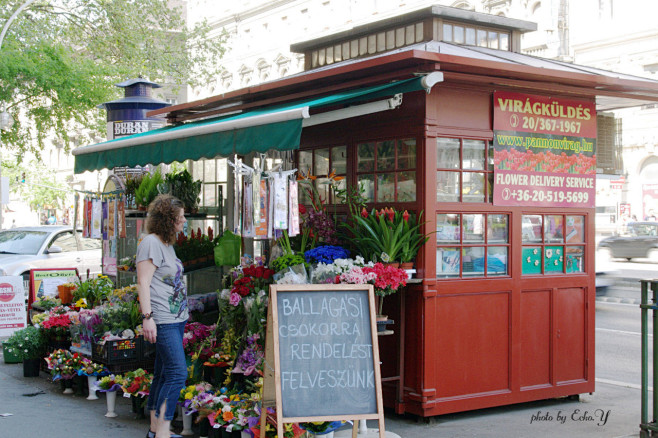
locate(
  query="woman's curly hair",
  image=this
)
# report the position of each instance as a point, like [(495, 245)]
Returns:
[(162, 215)]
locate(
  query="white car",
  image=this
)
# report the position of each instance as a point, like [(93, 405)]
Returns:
[(48, 246)]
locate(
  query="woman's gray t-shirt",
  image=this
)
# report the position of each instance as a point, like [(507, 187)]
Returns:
[(168, 292)]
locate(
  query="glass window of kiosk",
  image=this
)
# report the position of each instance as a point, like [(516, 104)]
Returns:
[(553, 244)]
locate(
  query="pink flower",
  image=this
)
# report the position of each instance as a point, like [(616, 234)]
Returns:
[(235, 299)]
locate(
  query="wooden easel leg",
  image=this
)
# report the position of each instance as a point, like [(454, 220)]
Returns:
[(355, 428), (263, 421)]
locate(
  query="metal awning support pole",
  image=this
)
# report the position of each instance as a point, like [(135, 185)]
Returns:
[(648, 427), (654, 362)]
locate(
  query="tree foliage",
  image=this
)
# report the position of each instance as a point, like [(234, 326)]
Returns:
[(35, 184), (61, 58)]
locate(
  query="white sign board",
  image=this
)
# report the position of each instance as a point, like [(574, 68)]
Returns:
[(13, 315)]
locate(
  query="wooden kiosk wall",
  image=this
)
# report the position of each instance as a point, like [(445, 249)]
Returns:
[(480, 342)]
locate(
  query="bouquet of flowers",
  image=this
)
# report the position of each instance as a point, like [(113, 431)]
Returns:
[(329, 272), (234, 412), (109, 383), (250, 361), (386, 279), (92, 369), (59, 366), (188, 393), (127, 294), (77, 362), (253, 279), (196, 335), (137, 383)]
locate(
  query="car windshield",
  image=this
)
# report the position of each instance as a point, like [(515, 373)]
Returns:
[(21, 241)]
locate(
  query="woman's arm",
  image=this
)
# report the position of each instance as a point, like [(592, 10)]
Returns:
[(145, 271)]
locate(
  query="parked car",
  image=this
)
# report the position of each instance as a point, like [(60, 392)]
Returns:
[(640, 240), (47, 246)]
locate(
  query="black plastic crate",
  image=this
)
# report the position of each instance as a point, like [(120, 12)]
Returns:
[(146, 350), (113, 352)]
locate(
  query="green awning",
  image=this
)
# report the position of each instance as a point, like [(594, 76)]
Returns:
[(276, 128)]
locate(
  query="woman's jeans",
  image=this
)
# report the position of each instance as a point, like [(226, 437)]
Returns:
[(170, 369)]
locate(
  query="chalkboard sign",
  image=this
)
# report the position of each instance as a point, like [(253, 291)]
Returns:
[(323, 340), (325, 353)]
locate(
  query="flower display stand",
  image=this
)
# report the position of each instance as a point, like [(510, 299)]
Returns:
[(68, 386), (187, 421), (91, 383), (111, 399)]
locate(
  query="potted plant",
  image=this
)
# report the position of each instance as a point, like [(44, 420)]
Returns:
[(148, 189), (385, 235), (182, 185), (386, 279), (28, 345), (132, 183), (415, 239)]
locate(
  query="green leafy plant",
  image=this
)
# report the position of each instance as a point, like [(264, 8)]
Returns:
[(182, 185), (94, 290), (148, 188), (386, 235), (27, 343)]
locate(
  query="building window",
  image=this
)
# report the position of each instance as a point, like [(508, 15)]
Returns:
[(553, 244), (386, 170), (472, 245), (320, 164), (464, 170), (475, 36)]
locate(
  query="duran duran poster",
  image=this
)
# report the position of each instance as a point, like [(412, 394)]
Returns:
[(544, 151)]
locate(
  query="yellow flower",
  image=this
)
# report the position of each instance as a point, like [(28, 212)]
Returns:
[(189, 396), (81, 303)]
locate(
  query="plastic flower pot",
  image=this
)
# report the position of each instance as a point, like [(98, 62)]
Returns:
[(31, 367), (9, 356), (111, 399), (91, 383)]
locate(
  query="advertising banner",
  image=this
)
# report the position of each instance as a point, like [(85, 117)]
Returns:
[(13, 315), (544, 151)]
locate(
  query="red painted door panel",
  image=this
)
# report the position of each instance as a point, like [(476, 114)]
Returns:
[(535, 334), (570, 335), (474, 346)]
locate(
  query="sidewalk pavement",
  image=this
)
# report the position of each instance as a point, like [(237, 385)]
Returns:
[(39, 409)]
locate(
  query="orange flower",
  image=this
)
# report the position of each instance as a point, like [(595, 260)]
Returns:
[(306, 175), (227, 416)]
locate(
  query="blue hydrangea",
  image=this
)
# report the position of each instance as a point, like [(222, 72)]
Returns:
[(326, 254)]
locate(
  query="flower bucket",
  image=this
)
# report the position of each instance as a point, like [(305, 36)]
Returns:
[(91, 383), (9, 356), (65, 293), (111, 399), (31, 367)]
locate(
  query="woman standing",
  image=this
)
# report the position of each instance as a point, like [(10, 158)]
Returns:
[(163, 302)]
